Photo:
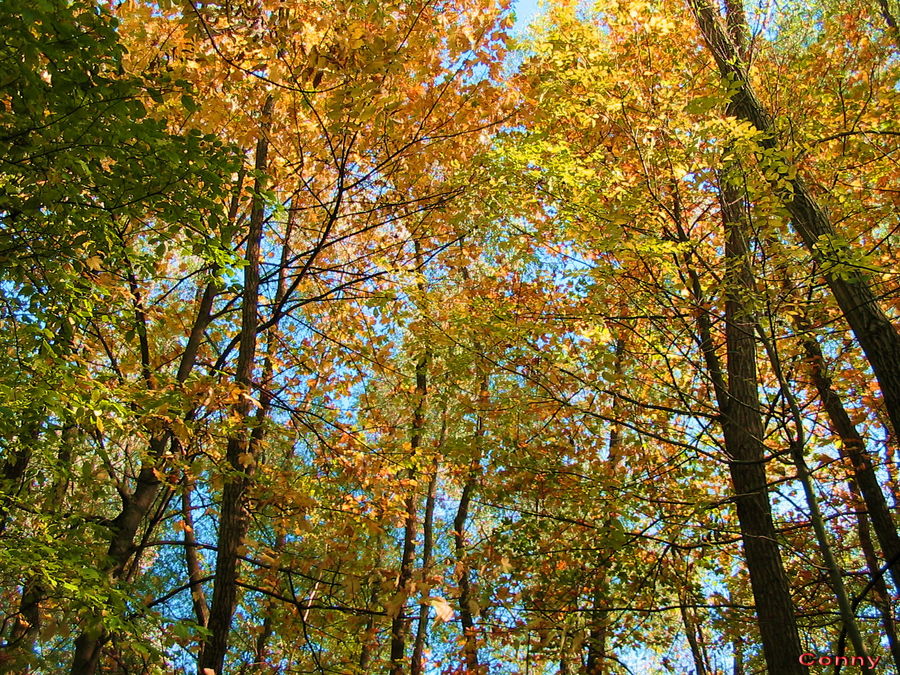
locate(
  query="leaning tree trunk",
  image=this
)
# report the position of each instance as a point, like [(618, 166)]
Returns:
[(853, 448), (850, 286)]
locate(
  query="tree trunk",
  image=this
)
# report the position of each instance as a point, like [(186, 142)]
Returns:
[(853, 448), (882, 598), (850, 286), (243, 445), (418, 663), (400, 624), (742, 428), (466, 599), (136, 506), (598, 628), (192, 557)]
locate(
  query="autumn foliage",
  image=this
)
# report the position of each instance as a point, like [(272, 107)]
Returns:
[(389, 336)]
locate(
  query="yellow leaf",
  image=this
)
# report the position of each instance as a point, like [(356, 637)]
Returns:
[(441, 607)]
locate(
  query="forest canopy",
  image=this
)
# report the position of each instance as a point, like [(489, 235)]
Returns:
[(390, 336)]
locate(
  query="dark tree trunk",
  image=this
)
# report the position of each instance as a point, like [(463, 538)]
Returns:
[(243, 445), (742, 427), (849, 285), (418, 665), (881, 596), (400, 624), (853, 448), (466, 615)]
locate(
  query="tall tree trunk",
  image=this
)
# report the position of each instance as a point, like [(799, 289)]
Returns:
[(400, 623), (418, 663), (136, 505), (369, 632), (598, 625), (13, 469), (742, 428), (797, 444), (849, 285), (882, 598), (466, 618), (243, 445), (853, 448), (466, 599)]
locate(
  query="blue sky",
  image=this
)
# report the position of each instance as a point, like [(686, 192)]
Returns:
[(525, 11)]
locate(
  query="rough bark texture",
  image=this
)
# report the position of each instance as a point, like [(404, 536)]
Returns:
[(742, 428)]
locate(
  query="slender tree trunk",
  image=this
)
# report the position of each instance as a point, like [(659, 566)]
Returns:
[(882, 598), (400, 624), (418, 662), (244, 444), (598, 627), (466, 599), (137, 505), (14, 470), (467, 621), (690, 630), (835, 575), (369, 632), (192, 557), (737, 648), (890, 21), (850, 286), (853, 448)]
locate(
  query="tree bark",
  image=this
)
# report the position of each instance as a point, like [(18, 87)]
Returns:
[(598, 628), (400, 623), (192, 557), (242, 447), (137, 505), (742, 428), (882, 598), (466, 615), (850, 286), (853, 448), (418, 662)]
